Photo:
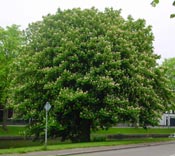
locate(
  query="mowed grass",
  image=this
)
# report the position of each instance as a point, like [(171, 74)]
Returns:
[(19, 130), (136, 131), (12, 131), (61, 146)]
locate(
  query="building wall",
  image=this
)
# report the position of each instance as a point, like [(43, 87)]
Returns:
[(9, 114), (168, 119)]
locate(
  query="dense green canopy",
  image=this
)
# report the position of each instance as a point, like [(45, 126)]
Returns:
[(10, 44), (169, 67), (95, 68)]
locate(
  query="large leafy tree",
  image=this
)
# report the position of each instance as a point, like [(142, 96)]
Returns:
[(10, 43), (95, 68)]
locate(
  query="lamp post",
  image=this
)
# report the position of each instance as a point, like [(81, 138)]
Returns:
[(47, 108)]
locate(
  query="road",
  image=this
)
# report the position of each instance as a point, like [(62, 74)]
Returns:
[(160, 150)]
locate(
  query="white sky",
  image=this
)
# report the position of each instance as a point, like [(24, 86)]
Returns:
[(23, 12)]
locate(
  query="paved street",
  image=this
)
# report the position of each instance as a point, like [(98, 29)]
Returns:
[(160, 150)]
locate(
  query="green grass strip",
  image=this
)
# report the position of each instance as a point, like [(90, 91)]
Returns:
[(62, 146), (136, 131)]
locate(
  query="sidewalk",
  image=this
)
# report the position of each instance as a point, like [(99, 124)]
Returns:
[(87, 150)]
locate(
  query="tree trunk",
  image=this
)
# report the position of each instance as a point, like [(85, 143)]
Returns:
[(83, 131), (5, 116), (85, 127)]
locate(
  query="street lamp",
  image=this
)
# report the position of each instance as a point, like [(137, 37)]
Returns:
[(47, 108)]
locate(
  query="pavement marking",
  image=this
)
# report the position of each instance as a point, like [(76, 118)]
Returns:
[(172, 155)]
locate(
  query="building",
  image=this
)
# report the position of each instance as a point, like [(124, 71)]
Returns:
[(9, 113), (168, 118)]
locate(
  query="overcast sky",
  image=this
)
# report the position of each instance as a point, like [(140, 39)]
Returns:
[(23, 12)]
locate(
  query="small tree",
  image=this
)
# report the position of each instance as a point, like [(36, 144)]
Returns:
[(10, 43)]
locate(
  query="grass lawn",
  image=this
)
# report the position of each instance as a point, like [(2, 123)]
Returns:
[(12, 131), (61, 146), (18, 130), (136, 131)]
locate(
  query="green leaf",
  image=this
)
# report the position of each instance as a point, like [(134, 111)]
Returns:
[(174, 3), (154, 3), (172, 16)]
